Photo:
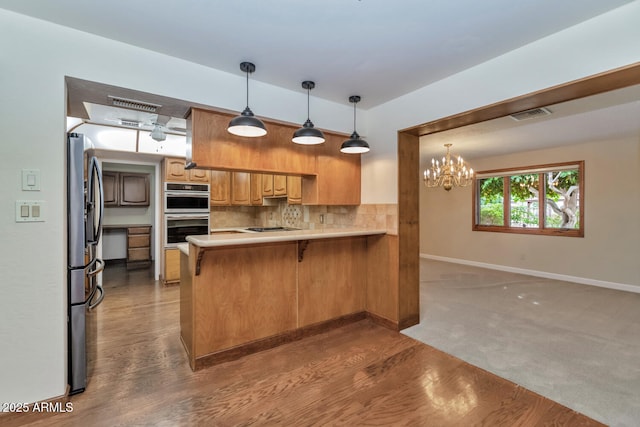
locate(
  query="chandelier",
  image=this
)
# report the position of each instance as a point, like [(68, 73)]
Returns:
[(449, 173)]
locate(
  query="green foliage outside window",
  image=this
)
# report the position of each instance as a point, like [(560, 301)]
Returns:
[(560, 200)]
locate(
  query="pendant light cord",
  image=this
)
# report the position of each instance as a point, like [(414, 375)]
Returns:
[(308, 94), (247, 89), (354, 116)]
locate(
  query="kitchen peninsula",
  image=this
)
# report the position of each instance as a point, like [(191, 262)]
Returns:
[(245, 292)]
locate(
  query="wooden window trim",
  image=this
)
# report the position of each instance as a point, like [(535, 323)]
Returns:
[(542, 230)]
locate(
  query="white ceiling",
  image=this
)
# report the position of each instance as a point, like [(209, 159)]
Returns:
[(606, 116), (378, 49)]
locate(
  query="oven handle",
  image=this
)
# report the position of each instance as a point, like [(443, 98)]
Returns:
[(192, 216), (202, 194)]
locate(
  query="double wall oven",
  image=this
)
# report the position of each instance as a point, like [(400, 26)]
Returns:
[(186, 211)]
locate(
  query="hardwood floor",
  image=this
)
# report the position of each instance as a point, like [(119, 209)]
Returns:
[(360, 374)]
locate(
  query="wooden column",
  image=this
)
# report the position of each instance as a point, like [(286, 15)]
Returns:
[(408, 230)]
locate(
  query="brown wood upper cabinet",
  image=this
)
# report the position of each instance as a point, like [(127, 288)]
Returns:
[(241, 188), (125, 189), (337, 181), (198, 175), (267, 185), (134, 189), (274, 185), (294, 190), (235, 188), (111, 188), (256, 189), (174, 171), (220, 188), (214, 148), (329, 177), (279, 185)]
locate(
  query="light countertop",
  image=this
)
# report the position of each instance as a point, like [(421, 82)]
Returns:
[(227, 239)]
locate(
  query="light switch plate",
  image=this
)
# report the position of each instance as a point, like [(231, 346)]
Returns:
[(30, 180), (30, 210)]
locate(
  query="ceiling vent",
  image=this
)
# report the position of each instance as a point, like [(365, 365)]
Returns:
[(530, 114), (130, 123), (133, 104)]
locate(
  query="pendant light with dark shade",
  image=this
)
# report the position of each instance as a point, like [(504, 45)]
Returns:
[(307, 134), (246, 124), (355, 144)]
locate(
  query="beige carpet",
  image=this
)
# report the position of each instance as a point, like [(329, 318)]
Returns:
[(576, 344)]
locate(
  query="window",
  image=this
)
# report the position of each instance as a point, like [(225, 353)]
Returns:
[(546, 199)]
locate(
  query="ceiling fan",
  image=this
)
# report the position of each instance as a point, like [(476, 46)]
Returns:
[(157, 123)]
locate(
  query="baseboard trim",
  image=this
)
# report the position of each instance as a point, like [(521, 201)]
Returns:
[(536, 273), (383, 321), (267, 343)]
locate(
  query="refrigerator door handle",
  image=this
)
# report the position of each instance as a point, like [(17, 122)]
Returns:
[(91, 275), (93, 235), (98, 269), (97, 301)]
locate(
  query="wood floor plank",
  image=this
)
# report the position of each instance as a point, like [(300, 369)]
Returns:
[(359, 374)]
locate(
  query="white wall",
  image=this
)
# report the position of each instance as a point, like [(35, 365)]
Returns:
[(600, 44), (608, 253), (35, 57)]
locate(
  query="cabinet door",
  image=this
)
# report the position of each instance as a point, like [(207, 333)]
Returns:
[(267, 184), (241, 189), (111, 188), (220, 188), (279, 185), (171, 265), (332, 279), (256, 189), (198, 175), (174, 170), (134, 189), (338, 176), (294, 190)]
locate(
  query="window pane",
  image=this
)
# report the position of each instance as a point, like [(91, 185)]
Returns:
[(491, 198), (524, 193), (562, 207)]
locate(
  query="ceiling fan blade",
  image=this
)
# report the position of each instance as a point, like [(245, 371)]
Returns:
[(162, 120)]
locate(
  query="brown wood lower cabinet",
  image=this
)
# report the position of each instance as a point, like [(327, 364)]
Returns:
[(232, 296), (232, 308), (332, 279), (138, 246), (171, 266)]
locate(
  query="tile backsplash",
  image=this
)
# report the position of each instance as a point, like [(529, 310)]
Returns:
[(233, 216), (307, 217)]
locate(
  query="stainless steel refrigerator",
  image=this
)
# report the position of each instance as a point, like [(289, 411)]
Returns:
[(85, 209)]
